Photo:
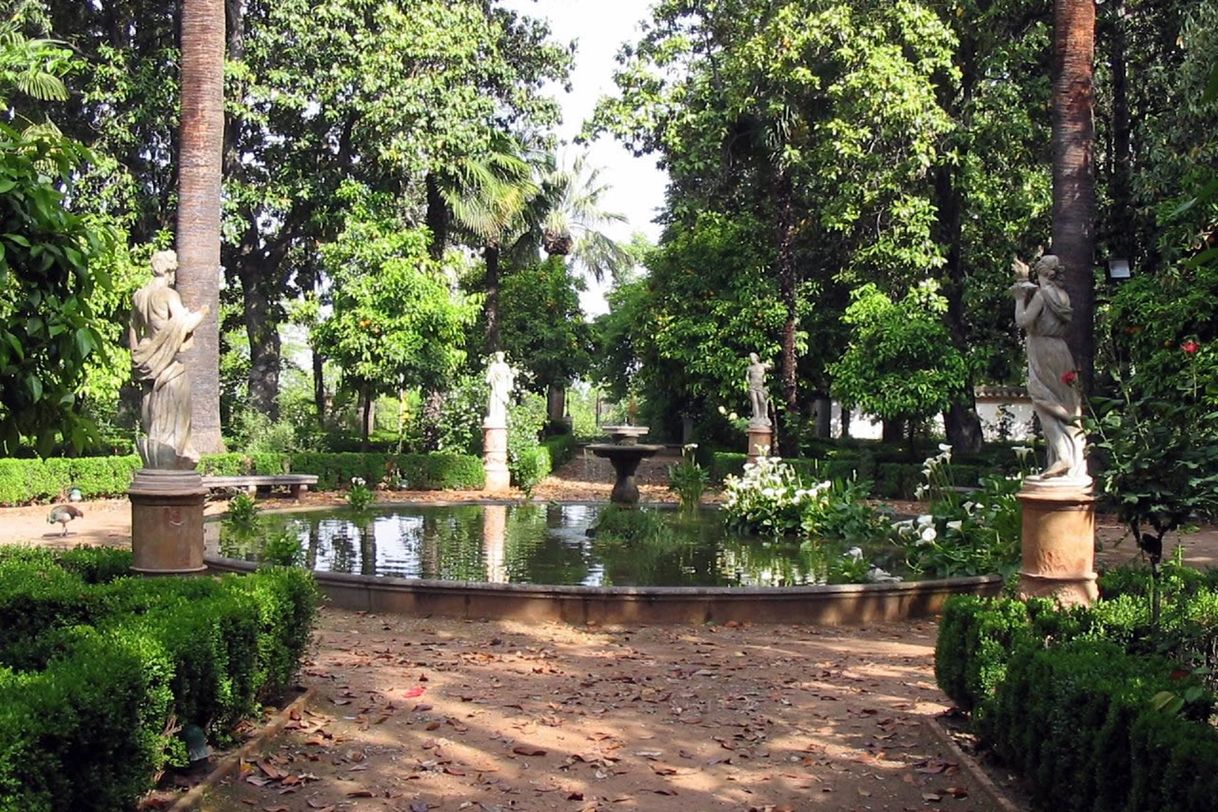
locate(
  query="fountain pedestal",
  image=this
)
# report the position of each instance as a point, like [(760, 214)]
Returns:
[(625, 460), (167, 521), (494, 459), (1058, 540)]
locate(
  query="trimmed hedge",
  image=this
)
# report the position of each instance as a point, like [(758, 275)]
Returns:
[(95, 677), (889, 480), (536, 463), (35, 480), (1066, 696)]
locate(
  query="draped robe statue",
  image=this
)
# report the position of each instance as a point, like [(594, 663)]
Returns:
[(161, 326), (500, 377), (1044, 312)]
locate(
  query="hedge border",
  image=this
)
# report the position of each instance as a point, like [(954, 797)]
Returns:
[(87, 724), (25, 481)]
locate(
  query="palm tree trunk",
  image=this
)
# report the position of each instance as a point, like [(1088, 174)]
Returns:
[(788, 283), (198, 227), (1073, 173), (491, 256)]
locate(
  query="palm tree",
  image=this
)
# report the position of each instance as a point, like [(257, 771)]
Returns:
[(1073, 177), (570, 217), (486, 197), (198, 237)]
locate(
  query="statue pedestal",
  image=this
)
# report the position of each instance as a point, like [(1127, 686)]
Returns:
[(167, 521), (1058, 540), (761, 442), (494, 459)]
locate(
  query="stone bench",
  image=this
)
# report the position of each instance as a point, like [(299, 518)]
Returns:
[(251, 483)]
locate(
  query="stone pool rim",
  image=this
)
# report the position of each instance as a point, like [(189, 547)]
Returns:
[(829, 604)]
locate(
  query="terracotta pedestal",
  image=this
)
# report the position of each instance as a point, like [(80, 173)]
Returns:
[(761, 441), (494, 459), (1058, 540), (167, 522)]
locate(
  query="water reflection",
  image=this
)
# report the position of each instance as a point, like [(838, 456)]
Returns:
[(539, 544)]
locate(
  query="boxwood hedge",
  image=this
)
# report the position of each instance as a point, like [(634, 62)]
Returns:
[(98, 671)]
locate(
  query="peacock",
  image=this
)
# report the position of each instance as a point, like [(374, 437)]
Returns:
[(64, 514)]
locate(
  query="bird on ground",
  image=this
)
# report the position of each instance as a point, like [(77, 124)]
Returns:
[(64, 514)]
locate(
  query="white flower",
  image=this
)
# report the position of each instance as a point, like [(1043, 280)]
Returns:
[(769, 492), (722, 410), (733, 416), (1021, 451), (926, 520), (878, 576), (945, 448), (690, 447), (929, 535), (920, 492), (855, 553), (359, 482), (969, 507), (956, 525)]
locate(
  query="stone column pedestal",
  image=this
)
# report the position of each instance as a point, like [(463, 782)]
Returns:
[(494, 459), (167, 522), (760, 438), (1058, 540)]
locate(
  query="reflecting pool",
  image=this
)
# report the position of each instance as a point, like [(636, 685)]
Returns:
[(544, 544)]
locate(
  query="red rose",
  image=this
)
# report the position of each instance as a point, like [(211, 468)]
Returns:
[(1069, 377), (1190, 347)]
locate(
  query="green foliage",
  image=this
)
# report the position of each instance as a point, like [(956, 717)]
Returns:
[(48, 324), (359, 495), (87, 721), (687, 479), (900, 363), (395, 322), (1083, 698), (541, 323), (963, 533), (527, 462), (242, 511), (629, 524)]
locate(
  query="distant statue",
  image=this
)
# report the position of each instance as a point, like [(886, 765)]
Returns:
[(161, 326), (1043, 311), (500, 377), (759, 396)]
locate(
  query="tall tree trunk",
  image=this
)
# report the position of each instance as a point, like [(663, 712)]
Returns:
[(1073, 172), (198, 228), (365, 417), (437, 217), (1121, 239), (319, 387), (788, 286), (490, 254), (961, 421), (262, 327)]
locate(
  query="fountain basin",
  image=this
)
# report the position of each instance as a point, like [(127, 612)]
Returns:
[(625, 435), (625, 460), (494, 554)]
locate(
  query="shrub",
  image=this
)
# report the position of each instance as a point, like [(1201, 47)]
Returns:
[(88, 727), (97, 565)]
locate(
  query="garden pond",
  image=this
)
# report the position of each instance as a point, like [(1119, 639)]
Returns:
[(551, 544)]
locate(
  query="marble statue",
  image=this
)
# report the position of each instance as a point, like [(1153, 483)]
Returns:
[(1043, 311), (500, 377), (161, 326), (759, 396)]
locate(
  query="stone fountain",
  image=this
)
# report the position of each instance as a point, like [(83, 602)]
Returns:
[(624, 454)]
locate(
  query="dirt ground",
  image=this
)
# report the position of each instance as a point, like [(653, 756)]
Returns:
[(416, 714)]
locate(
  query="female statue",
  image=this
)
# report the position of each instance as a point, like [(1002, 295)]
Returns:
[(161, 326), (499, 376), (1043, 311)]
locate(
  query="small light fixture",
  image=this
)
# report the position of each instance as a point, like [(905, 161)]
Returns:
[(1118, 270)]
